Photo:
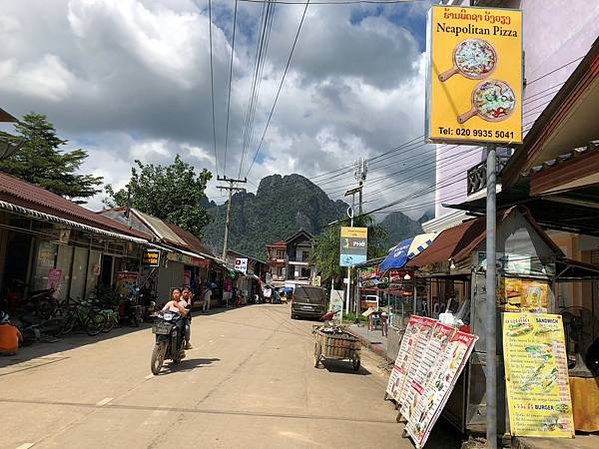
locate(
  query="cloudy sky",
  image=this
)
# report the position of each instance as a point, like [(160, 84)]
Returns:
[(130, 79)]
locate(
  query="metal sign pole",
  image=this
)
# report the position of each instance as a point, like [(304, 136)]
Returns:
[(491, 286)]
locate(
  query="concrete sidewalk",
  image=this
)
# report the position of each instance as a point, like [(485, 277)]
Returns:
[(373, 340)]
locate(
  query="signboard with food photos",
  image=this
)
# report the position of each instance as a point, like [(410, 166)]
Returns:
[(474, 88), (536, 375)]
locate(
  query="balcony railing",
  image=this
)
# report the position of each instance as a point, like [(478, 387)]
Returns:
[(477, 175)]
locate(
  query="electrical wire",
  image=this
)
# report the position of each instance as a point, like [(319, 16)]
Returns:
[(274, 104), (230, 86), (261, 49), (212, 87)]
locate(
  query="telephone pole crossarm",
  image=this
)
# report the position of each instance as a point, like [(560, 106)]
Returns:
[(230, 188)]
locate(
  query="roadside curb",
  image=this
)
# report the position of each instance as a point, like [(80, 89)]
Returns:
[(377, 348)]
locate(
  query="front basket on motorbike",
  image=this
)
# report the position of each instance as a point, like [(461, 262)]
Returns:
[(162, 328)]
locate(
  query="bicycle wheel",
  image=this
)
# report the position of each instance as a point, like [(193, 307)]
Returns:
[(67, 325), (95, 323), (109, 324)]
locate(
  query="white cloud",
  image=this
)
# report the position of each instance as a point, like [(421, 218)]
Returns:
[(130, 79)]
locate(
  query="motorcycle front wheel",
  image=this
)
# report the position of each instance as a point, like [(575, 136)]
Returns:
[(158, 357)]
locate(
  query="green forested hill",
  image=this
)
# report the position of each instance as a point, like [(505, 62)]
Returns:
[(281, 206)]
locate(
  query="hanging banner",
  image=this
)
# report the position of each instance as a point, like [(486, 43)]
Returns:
[(474, 87), (241, 264), (431, 358), (536, 373), (353, 246), (54, 278)]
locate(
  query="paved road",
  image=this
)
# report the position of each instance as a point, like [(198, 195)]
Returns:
[(248, 383)]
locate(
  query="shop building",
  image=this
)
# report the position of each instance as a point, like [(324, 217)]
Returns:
[(47, 240), (184, 260)]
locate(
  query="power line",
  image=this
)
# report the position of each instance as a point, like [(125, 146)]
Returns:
[(274, 104), (212, 87), (554, 70), (230, 86), (267, 17)]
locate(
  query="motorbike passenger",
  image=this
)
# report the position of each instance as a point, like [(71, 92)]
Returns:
[(187, 296), (177, 305)]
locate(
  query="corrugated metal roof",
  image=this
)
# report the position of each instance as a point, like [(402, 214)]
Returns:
[(21, 193), (161, 229)]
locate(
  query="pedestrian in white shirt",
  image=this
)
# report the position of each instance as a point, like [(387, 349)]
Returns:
[(207, 298)]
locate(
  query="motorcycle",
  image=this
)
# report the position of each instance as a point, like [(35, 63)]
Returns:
[(169, 329), (132, 308)]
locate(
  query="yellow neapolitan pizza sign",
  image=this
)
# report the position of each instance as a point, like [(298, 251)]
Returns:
[(536, 375), (474, 90)]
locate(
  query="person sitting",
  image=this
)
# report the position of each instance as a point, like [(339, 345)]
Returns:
[(178, 305), (10, 337), (187, 296)]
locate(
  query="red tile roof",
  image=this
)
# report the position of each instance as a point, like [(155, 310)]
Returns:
[(22, 193)]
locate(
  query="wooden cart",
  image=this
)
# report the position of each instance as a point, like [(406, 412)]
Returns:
[(335, 343)]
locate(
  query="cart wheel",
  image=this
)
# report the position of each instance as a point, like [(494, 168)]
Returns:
[(386, 398), (355, 361), (317, 354)]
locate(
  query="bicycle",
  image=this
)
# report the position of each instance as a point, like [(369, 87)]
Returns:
[(83, 315)]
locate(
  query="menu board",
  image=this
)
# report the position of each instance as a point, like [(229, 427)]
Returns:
[(536, 373), (454, 349), (430, 360), (420, 362), (404, 358)]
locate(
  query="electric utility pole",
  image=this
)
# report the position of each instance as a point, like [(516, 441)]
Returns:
[(360, 172), (230, 188)]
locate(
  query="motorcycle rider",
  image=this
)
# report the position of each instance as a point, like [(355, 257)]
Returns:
[(187, 296), (177, 305)]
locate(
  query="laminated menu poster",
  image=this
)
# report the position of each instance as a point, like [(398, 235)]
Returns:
[(536, 375), (452, 348), (414, 373), (404, 357)]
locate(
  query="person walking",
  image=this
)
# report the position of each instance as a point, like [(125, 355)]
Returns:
[(207, 298)]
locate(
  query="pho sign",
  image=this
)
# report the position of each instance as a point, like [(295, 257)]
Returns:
[(241, 264), (474, 88), (353, 246)]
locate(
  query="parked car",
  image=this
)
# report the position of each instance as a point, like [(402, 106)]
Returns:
[(309, 302)]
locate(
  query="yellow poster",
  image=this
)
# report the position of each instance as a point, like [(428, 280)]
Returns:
[(522, 295), (475, 76), (536, 375)]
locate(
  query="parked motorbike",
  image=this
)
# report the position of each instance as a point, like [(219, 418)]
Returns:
[(132, 308), (169, 330)]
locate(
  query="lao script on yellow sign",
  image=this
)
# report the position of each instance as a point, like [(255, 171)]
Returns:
[(536, 375), (474, 90), (357, 233)]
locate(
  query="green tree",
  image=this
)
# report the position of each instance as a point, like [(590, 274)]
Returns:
[(40, 161), (326, 251), (174, 193)]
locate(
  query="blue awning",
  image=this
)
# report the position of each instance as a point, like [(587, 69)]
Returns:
[(406, 250)]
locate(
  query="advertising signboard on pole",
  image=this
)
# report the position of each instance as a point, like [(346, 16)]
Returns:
[(241, 264), (474, 86), (353, 246), (536, 375)]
